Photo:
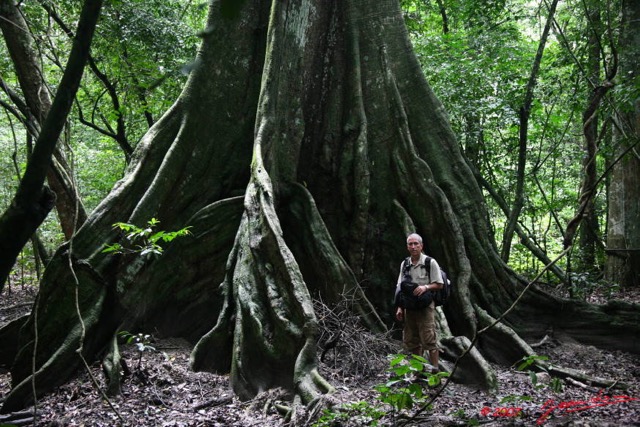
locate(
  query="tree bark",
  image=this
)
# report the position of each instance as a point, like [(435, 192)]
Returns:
[(623, 230), (301, 154)]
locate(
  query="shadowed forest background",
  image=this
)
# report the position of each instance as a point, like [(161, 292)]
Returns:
[(259, 157)]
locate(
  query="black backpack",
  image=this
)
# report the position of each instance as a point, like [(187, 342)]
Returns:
[(406, 299), (441, 296)]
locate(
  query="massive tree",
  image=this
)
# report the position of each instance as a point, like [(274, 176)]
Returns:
[(305, 146)]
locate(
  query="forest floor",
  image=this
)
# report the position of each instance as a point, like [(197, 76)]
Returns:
[(161, 390)]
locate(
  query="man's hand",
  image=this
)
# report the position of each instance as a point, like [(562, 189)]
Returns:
[(399, 314), (419, 290)]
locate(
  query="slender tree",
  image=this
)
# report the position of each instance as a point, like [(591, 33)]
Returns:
[(524, 114), (33, 200), (586, 215), (21, 47), (305, 146), (589, 232)]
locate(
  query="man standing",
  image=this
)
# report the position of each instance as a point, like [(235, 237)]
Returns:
[(419, 331)]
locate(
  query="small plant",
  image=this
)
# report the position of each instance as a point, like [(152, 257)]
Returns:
[(401, 391), (555, 384), (611, 290), (586, 285), (145, 241), (528, 361), (358, 413), (515, 398), (459, 413), (141, 341), (462, 415)]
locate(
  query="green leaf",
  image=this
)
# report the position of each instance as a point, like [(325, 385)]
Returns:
[(401, 370), (394, 381), (416, 390), (382, 388), (404, 401), (433, 380), (399, 358), (116, 247), (124, 226), (157, 236)]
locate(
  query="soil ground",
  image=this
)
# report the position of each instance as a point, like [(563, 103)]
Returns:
[(161, 390)]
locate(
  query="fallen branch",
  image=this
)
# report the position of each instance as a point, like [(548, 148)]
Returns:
[(20, 418), (573, 374), (576, 383), (547, 339), (213, 402)]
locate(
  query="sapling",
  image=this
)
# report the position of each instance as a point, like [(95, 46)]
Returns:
[(142, 343), (144, 241)]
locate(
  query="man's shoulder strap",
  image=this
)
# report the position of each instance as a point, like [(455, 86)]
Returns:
[(427, 264)]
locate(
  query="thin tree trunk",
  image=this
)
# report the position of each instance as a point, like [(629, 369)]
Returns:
[(25, 59), (589, 232), (524, 113), (533, 247), (589, 184), (33, 200), (443, 14)]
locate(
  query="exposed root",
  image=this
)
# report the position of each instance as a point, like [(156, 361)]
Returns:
[(111, 365), (470, 367), (547, 339)]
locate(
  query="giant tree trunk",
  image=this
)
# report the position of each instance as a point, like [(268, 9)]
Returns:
[(304, 148)]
